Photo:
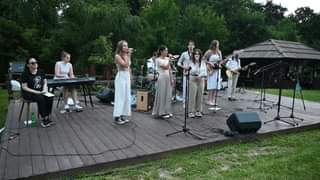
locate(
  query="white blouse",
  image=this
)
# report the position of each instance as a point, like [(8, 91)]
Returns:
[(162, 62)]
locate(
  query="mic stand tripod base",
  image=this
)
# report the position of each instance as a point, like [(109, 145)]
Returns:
[(294, 123), (214, 108), (185, 131)]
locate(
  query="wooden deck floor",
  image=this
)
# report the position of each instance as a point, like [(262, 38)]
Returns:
[(90, 139)]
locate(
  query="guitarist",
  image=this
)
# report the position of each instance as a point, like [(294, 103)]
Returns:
[(213, 56), (233, 66), (184, 62)]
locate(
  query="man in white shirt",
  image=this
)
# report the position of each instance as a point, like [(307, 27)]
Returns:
[(233, 66), (183, 62), (151, 67)]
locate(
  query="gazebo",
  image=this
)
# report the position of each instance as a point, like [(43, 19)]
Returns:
[(301, 58)]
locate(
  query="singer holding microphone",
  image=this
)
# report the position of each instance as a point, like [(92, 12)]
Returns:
[(183, 62), (122, 83), (162, 101)]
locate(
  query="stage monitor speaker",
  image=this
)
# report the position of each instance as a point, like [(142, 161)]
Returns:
[(244, 122), (144, 100)]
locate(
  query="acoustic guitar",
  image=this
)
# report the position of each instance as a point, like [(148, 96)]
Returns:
[(213, 66), (230, 72)]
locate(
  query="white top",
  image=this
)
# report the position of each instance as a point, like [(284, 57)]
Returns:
[(162, 62), (214, 58), (185, 59), (64, 69), (233, 64), (195, 69)]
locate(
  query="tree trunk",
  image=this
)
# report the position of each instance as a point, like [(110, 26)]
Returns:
[(92, 70), (108, 72)]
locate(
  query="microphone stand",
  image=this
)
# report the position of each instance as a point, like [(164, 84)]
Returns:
[(215, 107), (262, 87), (293, 102), (185, 129), (278, 117)]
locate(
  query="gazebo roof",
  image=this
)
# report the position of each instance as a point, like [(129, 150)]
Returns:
[(279, 49)]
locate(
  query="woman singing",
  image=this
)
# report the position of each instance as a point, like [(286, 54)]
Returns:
[(122, 82), (196, 84), (162, 101)]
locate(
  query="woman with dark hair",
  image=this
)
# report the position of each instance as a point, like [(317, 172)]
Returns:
[(162, 100), (34, 86), (196, 84), (122, 82), (213, 56)]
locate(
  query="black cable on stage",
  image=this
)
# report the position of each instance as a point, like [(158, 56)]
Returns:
[(74, 154)]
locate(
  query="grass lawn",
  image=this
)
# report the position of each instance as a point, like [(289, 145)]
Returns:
[(311, 95), (3, 106), (294, 156)]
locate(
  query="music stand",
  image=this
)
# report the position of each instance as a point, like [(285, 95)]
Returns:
[(184, 129), (295, 87), (262, 70), (281, 74)]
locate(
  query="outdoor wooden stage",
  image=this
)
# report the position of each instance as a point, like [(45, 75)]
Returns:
[(90, 140)]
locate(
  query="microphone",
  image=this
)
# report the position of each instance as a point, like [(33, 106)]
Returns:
[(175, 56), (132, 50)]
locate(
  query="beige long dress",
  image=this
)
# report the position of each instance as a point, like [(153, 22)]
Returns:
[(162, 102)]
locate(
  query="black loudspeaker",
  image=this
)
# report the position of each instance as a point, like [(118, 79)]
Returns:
[(244, 122)]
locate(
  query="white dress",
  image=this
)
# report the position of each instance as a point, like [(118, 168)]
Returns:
[(213, 81), (122, 86)]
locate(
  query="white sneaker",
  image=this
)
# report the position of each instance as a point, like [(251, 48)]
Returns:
[(198, 114), (165, 116), (66, 107), (191, 115), (119, 121), (124, 120), (78, 108)]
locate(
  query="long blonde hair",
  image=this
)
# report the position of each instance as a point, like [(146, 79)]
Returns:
[(120, 46), (214, 45)]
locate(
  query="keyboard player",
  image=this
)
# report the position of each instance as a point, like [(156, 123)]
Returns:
[(64, 70)]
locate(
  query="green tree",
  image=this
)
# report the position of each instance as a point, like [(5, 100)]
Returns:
[(274, 13), (284, 30), (303, 14), (201, 25)]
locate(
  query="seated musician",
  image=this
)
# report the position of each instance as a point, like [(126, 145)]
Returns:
[(64, 70), (34, 86), (233, 66)]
